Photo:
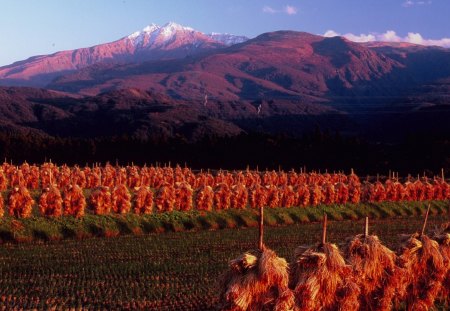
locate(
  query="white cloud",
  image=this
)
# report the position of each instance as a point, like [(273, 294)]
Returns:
[(288, 9), (331, 33), (391, 36), (268, 9), (360, 38), (410, 3)]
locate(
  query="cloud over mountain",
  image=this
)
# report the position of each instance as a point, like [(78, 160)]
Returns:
[(391, 36)]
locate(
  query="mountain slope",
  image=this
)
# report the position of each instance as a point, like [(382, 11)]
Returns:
[(273, 65), (153, 42)]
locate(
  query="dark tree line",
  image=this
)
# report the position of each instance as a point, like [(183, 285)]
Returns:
[(317, 150)]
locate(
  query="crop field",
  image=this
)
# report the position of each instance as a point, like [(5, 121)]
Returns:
[(169, 271)]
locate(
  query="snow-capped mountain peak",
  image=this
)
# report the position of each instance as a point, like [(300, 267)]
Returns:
[(155, 34), (150, 28)]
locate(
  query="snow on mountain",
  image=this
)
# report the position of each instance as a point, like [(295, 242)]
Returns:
[(155, 35), (227, 39)]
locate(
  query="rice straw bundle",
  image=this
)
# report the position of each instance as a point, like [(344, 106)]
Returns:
[(437, 190), (93, 180), (368, 192), (292, 178), (389, 189), (121, 199), (282, 179), (222, 196), (239, 196), (375, 269), (3, 180), (20, 202), (321, 280), (315, 195), (258, 196), (31, 176), (400, 192), (143, 201), (288, 196), (165, 198), (424, 270), (420, 190), (341, 193), (16, 178), (74, 201), (205, 198), (183, 196), (108, 176), (101, 201), (63, 177), (410, 191), (134, 178), (329, 193), (302, 195), (443, 238), (50, 202), (2, 205), (445, 191), (78, 177), (429, 190), (251, 179), (273, 196), (379, 192), (257, 280), (45, 176), (354, 192)]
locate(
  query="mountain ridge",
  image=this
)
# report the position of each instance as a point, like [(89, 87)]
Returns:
[(152, 43)]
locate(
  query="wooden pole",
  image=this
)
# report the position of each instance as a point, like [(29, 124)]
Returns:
[(261, 228), (366, 227), (426, 219), (324, 229), (442, 174)]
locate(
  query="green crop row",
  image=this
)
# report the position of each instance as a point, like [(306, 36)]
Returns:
[(42, 228)]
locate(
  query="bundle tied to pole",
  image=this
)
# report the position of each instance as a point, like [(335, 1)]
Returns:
[(74, 201), (20, 202), (424, 270), (375, 270), (443, 238), (321, 280), (50, 202), (256, 280)]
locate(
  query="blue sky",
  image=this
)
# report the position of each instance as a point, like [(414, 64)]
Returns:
[(33, 27)]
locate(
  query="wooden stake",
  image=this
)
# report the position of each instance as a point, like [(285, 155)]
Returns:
[(324, 229), (261, 228), (442, 173), (366, 227), (425, 221)]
